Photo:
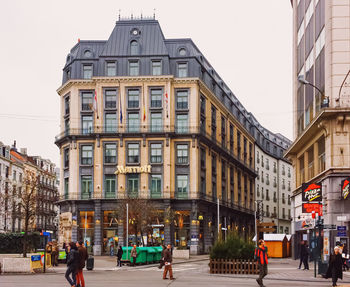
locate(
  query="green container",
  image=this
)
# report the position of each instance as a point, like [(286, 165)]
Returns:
[(158, 255), (141, 254), (151, 255)]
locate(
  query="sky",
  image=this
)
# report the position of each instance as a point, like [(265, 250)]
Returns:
[(249, 44)]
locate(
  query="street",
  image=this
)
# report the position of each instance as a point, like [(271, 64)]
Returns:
[(186, 274)]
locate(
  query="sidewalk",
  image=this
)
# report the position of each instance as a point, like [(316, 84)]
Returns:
[(287, 269), (108, 263)]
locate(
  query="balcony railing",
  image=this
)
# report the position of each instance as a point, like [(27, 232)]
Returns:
[(148, 129), (274, 199), (237, 205), (321, 162)]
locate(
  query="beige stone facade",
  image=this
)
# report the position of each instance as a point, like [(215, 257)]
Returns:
[(321, 149)]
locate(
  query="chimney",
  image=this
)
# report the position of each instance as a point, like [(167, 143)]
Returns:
[(24, 151), (14, 145)]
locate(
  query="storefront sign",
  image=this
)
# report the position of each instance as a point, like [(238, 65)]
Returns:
[(341, 228), (345, 186), (312, 192), (133, 169), (310, 207)]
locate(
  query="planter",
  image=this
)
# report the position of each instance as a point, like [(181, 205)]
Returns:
[(233, 266), (181, 254)]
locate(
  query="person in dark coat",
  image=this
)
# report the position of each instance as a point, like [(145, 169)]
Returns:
[(119, 256), (83, 256), (306, 256), (335, 267), (72, 264), (168, 260), (302, 253)]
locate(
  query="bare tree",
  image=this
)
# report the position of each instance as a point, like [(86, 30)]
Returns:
[(142, 214), (27, 202)]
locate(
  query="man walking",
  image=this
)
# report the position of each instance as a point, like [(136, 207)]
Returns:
[(302, 253), (83, 256), (261, 257), (168, 259)]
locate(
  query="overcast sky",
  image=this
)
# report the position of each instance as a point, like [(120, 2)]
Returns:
[(249, 43)]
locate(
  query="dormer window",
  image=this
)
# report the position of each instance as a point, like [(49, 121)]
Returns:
[(182, 52), (134, 47), (87, 54)]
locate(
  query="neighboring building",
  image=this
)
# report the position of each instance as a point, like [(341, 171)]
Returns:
[(164, 127), (321, 149), (273, 183), (13, 168), (10, 181)]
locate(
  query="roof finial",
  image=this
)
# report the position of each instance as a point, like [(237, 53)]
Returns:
[(132, 16), (154, 13), (119, 15), (141, 15)]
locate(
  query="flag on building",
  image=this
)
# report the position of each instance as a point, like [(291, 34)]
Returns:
[(121, 110), (166, 104), (144, 105), (95, 104)]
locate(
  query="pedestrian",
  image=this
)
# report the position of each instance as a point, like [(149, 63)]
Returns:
[(301, 253), (345, 257), (306, 256), (161, 262), (168, 259), (335, 269), (72, 264), (83, 256), (119, 256), (54, 254), (49, 251), (260, 256), (133, 255)]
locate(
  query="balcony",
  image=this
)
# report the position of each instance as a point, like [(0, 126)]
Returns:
[(274, 199), (283, 201), (267, 213), (283, 186), (267, 181), (267, 197), (274, 169), (274, 215), (267, 167), (274, 184)]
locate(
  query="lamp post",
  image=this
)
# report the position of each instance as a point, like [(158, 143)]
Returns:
[(325, 100)]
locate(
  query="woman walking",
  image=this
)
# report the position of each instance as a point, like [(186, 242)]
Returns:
[(72, 264), (335, 267)]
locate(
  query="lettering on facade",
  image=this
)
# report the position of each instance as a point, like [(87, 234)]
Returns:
[(310, 207), (133, 169), (345, 185), (312, 192)]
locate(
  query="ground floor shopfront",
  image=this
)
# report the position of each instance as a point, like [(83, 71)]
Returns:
[(193, 224), (334, 223)]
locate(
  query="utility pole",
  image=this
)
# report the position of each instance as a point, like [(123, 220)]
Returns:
[(127, 230), (218, 206)]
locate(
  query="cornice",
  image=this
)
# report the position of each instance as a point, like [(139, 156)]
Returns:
[(127, 79)]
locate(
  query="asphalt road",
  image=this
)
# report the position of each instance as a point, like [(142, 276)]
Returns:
[(188, 274)]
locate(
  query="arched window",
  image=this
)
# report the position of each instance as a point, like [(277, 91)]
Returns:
[(134, 47)]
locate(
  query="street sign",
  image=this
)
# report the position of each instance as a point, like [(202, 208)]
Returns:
[(341, 233), (330, 226), (341, 228)]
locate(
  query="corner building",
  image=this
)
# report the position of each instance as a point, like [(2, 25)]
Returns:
[(320, 152), (163, 127)]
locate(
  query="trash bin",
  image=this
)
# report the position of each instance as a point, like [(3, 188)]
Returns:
[(151, 254), (158, 254), (141, 255), (126, 253)]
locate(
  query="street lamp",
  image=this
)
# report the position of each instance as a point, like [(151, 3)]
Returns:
[(325, 100)]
